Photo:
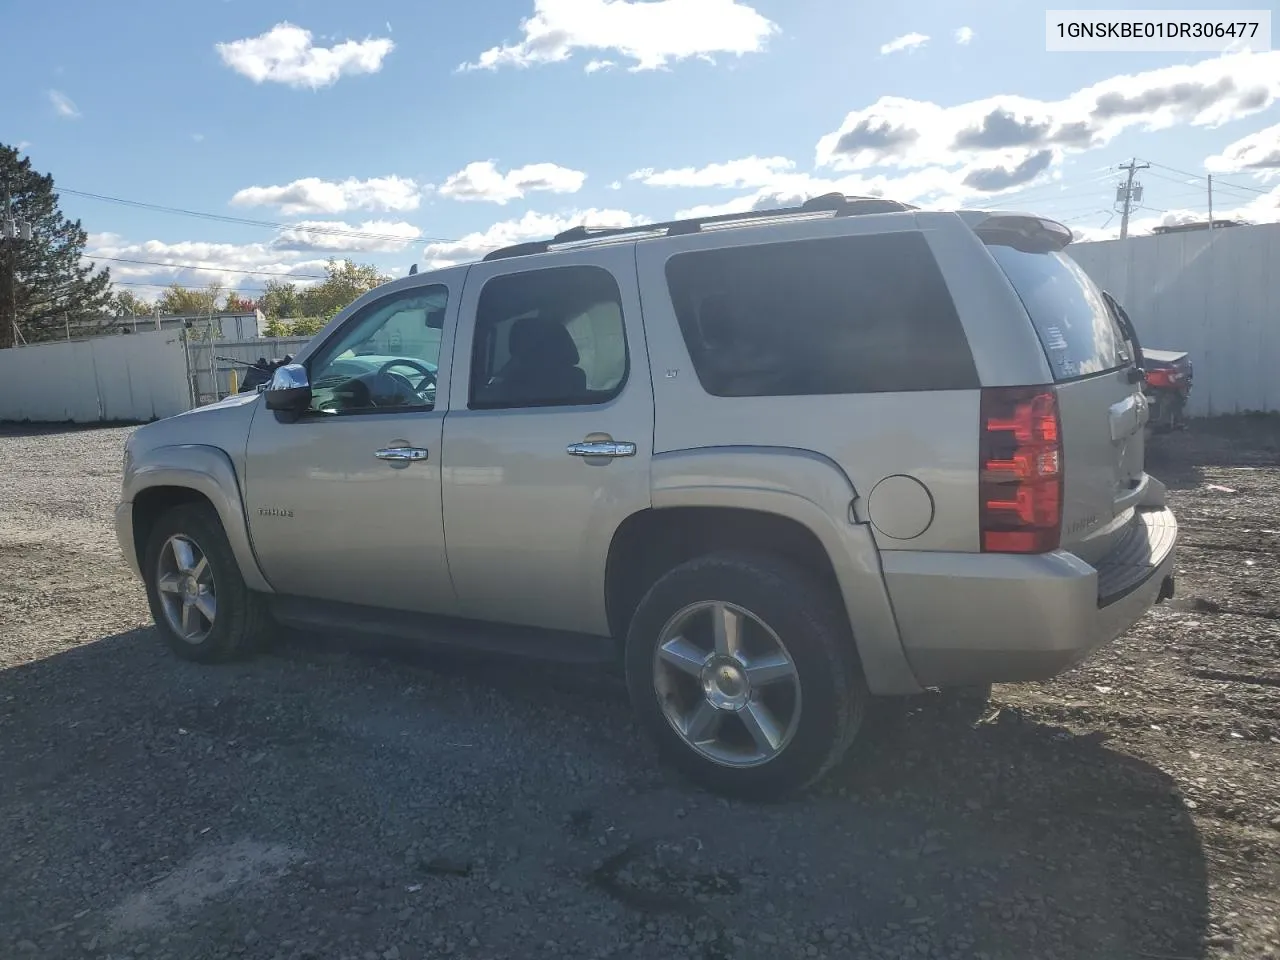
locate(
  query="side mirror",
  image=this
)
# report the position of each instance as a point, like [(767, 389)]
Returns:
[(290, 390)]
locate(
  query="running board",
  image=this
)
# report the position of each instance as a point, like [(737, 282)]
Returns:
[(337, 619)]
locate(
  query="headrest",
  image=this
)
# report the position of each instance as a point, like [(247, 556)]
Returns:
[(716, 320), (543, 341)]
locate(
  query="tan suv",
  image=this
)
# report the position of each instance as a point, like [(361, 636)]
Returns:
[(775, 464)]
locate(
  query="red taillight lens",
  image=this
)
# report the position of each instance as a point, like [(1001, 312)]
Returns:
[(1020, 487), (1163, 377)]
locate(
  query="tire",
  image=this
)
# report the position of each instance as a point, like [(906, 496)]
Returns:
[(239, 614), (816, 708)]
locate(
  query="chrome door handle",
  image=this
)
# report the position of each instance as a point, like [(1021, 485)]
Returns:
[(602, 448), (401, 454)]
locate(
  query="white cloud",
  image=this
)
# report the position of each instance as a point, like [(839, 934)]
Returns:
[(748, 172), (651, 33), (931, 187), (594, 66), (616, 185), (234, 265), (481, 180), (1024, 137), (531, 226), (964, 36), (286, 54), (1257, 153), (908, 41), (22, 146), (63, 105), (383, 236), (313, 195), (198, 137)]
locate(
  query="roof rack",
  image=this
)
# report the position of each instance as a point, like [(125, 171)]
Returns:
[(835, 204)]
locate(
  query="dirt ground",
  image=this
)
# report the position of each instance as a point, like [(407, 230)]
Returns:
[(325, 800)]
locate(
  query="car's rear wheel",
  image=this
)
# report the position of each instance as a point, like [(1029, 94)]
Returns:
[(198, 599), (742, 670)]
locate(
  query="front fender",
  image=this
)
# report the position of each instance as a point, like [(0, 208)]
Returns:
[(814, 492), (207, 471)]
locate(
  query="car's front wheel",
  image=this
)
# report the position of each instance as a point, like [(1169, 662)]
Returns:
[(742, 669), (198, 598)]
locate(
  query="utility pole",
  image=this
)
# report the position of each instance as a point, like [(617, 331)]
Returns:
[(1127, 194), (12, 233), (1211, 203)]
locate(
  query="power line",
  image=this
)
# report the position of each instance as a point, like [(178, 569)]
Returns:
[(1079, 189), (165, 286), (248, 221), (1183, 183), (1201, 176), (195, 266)]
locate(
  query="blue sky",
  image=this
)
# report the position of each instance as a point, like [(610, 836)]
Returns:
[(432, 131)]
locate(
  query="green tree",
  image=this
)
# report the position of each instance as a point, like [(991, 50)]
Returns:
[(308, 326), (124, 303), (280, 300), (178, 300), (45, 285), (345, 280), (234, 303)]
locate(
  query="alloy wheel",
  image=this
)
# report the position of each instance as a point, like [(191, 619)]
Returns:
[(188, 594), (727, 684)]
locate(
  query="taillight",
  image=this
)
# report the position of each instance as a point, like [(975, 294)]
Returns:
[(1165, 378), (1020, 486)]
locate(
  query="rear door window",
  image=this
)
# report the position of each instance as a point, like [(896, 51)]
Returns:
[(839, 315), (1076, 327)]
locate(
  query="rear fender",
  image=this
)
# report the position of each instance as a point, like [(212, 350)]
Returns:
[(207, 471), (814, 492)]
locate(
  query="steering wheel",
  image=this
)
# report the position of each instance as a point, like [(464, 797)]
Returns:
[(428, 375)]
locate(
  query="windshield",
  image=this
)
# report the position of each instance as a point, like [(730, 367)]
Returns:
[(1078, 331)]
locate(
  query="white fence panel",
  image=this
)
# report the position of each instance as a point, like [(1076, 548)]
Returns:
[(129, 377), (1214, 294)]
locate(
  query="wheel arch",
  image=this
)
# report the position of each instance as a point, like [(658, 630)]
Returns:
[(792, 503), (191, 473)]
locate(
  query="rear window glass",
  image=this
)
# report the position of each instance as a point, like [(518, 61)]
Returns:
[(839, 315), (1077, 329)]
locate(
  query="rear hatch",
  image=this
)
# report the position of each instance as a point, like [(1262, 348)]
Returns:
[(1099, 390)]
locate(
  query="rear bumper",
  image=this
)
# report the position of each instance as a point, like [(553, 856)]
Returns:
[(969, 618)]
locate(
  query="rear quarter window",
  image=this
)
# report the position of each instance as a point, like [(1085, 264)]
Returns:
[(1075, 325), (840, 315)]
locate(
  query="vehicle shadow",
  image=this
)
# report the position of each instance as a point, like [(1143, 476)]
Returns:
[(1086, 851), (1005, 838)]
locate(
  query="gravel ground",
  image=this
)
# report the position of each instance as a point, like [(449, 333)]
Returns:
[(330, 801)]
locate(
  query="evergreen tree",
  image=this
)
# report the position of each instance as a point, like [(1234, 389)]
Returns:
[(45, 278)]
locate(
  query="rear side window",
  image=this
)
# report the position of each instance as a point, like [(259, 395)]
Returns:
[(1077, 329), (837, 315), (551, 337)]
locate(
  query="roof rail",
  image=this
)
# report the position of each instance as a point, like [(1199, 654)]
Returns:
[(835, 204)]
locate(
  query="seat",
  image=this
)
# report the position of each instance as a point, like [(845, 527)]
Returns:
[(544, 364)]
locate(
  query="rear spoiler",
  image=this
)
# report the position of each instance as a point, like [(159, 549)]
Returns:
[(1021, 231)]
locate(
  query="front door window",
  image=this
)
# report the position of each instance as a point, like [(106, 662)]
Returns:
[(386, 359)]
